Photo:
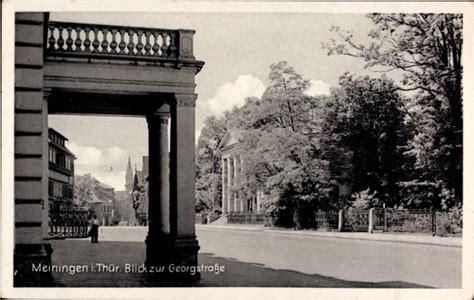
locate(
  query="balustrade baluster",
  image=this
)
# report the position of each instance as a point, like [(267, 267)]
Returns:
[(147, 44), (139, 42), (122, 44), (113, 44), (78, 41), (156, 46), (52, 39), (105, 42), (172, 46), (60, 38), (131, 45), (87, 41), (95, 43), (69, 41), (164, 47)]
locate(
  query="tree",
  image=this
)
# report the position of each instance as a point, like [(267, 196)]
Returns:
[(366, 127), (208, 163), (280, 154), (83, 188), (427, 50)]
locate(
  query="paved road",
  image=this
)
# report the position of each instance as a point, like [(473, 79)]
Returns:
[(368, 261), (263, 258)]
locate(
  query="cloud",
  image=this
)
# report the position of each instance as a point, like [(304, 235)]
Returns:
[(234, 93), (94, 157), (318, 87), (106, 165)]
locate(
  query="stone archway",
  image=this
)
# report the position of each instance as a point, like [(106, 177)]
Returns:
[(70, 68)]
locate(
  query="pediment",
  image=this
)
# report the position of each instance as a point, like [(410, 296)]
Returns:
[(228, 140)]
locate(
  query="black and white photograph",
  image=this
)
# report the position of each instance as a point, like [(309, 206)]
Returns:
[(248, 147)]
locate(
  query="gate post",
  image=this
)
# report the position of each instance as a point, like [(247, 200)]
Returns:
[(371, 220), (340, 223)]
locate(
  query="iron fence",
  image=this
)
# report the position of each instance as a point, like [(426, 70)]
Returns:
[(327, 220), (68, 224), (246, 218), (356, 220)]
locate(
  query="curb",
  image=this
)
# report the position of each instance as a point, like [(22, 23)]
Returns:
[(334, 236)]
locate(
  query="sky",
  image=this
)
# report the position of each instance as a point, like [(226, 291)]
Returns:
[(237, 49)]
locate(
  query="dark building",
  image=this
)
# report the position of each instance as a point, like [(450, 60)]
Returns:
[(61, 172)]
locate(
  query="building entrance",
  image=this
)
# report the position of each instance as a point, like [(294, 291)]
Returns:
[(71, 68)]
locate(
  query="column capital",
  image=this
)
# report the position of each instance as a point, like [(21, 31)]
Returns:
[(187, 100), (160, 118)]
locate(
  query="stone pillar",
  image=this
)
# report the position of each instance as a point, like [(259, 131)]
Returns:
[(340, 223), (184, 245), (157, 240), (30, 153), (230, 182), (224, 186), (371, 220)]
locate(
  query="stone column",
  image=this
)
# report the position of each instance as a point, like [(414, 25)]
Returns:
[(230, 182), (244, 201), (224, 187), (236, 180), (158, 190), (184, 245)]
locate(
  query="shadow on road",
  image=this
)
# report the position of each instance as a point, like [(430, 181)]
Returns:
[(236, 274)]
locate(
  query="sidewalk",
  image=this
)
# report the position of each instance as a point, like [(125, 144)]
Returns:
[(410, 238)]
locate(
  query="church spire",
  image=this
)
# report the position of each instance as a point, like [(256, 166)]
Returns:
[(129, 177)]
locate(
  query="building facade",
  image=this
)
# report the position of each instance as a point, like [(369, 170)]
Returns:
[(58, 71), (61, 172), (232, 166), (136, 187)]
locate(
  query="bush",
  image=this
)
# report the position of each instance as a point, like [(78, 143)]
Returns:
[(365, 200)]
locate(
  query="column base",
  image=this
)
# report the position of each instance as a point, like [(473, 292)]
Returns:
[(184, 258), (172, 259), (157, 250), (31, 265)]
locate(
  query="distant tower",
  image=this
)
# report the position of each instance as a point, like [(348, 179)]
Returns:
[(129, 177)]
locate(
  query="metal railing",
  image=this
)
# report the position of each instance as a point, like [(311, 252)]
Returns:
[(68, 223), (246, 218)]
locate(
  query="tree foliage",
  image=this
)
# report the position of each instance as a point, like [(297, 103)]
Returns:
[(365, 122), (427, 50)]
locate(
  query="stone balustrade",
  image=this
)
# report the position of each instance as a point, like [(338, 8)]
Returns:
[(116, 42)]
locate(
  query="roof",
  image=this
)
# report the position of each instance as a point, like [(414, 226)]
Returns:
[(94, 198), (139, 175), (58, 133), (231, 137), (105, 186)]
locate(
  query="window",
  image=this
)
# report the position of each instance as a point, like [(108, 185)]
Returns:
[(53, 156), (50, 188)]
